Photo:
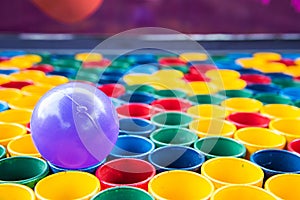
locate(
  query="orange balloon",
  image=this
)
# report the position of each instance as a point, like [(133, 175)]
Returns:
[(68, 11)]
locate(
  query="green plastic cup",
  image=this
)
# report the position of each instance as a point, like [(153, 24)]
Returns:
[(23, 170), (270, 98), (213, 147), (173, 136), (170, 93), (284, 83), (297, 103), (171, 119), (140, 88), (124, 193), (236, 93), (206, 99), (2, 152)]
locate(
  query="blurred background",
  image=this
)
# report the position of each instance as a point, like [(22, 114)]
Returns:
[(187, 16)]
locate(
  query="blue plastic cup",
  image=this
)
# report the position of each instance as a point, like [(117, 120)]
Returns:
[(176, 158), (92, 169), (263, 88), (136, 126), (137, 97), (273, 161), (132, 146), (291, 92)]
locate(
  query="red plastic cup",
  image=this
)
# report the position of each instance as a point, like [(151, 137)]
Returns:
[(294, 146), (171, 61), (125, 172), (201, 68), (195, 77), (174, 104), (138, 110), (42, 67), (97, 64), (113, 90), (287, 62), (16, 84), (245, 119), (256, 79)]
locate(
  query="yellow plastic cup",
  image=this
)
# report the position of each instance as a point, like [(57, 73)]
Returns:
[(36, 90), (23, 146), (279, 111), (249, 62), (135, 79), (67, 185), (255, 139), (290, 128), (208, 111), (241, 104), (54, 80), (272, 67), (4, 79), (267, 56), (11, 191), (193, 56), (179, 184), (201, 87), (33, 58), (24, 103), (244, 192), (20, 64), (211, 127), (7, 94), (34, 75), (284, 186), (89, 57), (222, 74), (228, 170), (10, 131), (168, 74), (293, 71), (230, 84), (16, 116)]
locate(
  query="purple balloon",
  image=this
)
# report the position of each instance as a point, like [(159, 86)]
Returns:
[(74, 125)]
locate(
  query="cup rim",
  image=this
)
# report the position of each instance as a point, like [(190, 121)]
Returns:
[(43, 172), (252, 159), (138, 132), (212, 187), (4, 152), (152, 119), (121, 188), (61, 169), (159, 167), (138, 155), (223, 183), (28, 189), (267, 183), (256, 115), (242, 154), (16, 153), (271, 126), (153, 172), (290, 147), (158, 131), (130, 104)]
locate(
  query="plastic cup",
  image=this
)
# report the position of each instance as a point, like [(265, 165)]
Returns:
[(132, 146), (176, 157), (212, 127), (213, 147), (274, 161), (15, 116), (136, 126), (171, 119), (2, 152), (9, 131), (137, 97), (224, 171), (259, 138), (170, 93), (16, 84), (24, 103), (138, 110), (279, 111), (124, 193), (271, 98), (222, 74), (230, 84), (291, 92), (284, 186), (245, 119), (113, 90), (7, 94), (23, 146), (285, 83), (294, 146), (206, 99), (10, 191), (242, 104), (286, 127), (23, 170), (236, 93), (173, 136), (208, 111), (172, 104), (36, 90), (201, 88), (244, 192), (178, 185), (54, 80), (125, 172), (256, 79), (140, 88), (92, 169), (67, 185)]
